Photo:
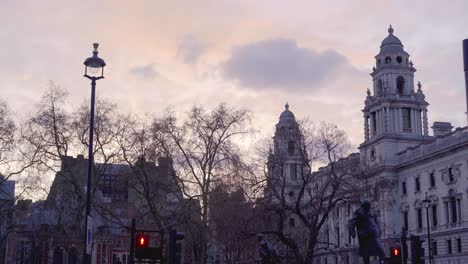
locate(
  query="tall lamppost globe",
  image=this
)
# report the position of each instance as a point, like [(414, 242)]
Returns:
[(94, 66), (426, 202)]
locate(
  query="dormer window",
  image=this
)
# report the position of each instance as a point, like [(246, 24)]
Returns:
[(399, 59), (388, 60)]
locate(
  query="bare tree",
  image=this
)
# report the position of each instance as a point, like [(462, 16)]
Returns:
[(308, 200), (205, 152), (157, 194), (15, 160), (56, 132)]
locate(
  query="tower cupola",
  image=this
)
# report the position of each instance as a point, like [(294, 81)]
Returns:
[(395, 113)]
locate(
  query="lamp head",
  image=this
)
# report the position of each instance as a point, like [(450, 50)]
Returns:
[(94, 66)]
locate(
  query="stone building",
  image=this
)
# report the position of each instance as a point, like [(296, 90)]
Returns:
[(402, 165), (50, 231), (7, 202)]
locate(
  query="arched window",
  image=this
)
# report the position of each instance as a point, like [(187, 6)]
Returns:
[(291, 147), (379, 88), (400, 83)]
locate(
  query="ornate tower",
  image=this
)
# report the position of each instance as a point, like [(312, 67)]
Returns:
[(395, 114), (285, 159)]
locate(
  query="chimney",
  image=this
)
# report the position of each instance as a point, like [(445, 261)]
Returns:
[(465, 68), (441, 128)]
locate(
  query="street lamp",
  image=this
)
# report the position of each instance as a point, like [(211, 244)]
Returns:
[(94, 70), (426, 204)]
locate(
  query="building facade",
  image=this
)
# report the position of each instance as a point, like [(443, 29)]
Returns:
[(50, 231), (407, 171)]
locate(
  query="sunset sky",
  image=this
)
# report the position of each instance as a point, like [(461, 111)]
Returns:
[(316, 55)]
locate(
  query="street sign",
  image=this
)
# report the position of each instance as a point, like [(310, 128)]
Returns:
[(89, 235)]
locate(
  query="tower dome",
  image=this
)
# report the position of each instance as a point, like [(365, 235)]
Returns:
[(286, 115), (391, 44)]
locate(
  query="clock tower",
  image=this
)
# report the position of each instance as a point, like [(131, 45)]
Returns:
[(395, 111)]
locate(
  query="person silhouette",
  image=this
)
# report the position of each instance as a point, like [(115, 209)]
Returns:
[(368, 231)]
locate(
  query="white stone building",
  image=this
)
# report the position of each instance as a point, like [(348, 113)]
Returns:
[(404, 165)]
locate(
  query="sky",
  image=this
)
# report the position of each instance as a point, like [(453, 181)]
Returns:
[(315, 55)]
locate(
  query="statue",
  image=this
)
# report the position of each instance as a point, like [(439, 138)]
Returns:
[(268, 254), (365, 221)]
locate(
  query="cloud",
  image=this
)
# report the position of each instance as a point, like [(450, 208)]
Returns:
[(189, 49), (281, 64), (147, 71)]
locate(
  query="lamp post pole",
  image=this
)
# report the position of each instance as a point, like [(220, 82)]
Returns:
[(426, 203), (96, 72)]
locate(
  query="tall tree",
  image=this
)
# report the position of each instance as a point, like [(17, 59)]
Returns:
[(308, 200), (205, 151)]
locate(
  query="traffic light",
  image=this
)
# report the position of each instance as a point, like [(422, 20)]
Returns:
[(141, 245), (143, 249), (175, 249), (395, 255), (417, 250), (142, 241)]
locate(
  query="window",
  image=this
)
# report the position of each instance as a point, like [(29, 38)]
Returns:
[(374, 122), (453, 209), (293, 171), (459, 245), (388, 60), (291, 147), (291, 194), (399, 59), (449, 246), (406, 115), (420, 222), (372, 153), (403, 187), (400, 82), (338, 236), (292, 222), (434, 247), (434, 215), (417, 184), (379, 88), (432, 179), (405, 220), (451, 176)]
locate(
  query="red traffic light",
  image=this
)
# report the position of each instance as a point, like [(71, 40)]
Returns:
[(142, 241), (396, 252)]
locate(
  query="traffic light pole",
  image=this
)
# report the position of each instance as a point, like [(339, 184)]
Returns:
[(132, 242), (428, 236)]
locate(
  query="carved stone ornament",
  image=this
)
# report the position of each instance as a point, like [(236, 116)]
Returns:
[(404, 207), (456, 171), (418, 204)]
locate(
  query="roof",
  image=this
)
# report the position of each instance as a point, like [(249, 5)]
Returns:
[(391, 43), (287, 115)]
